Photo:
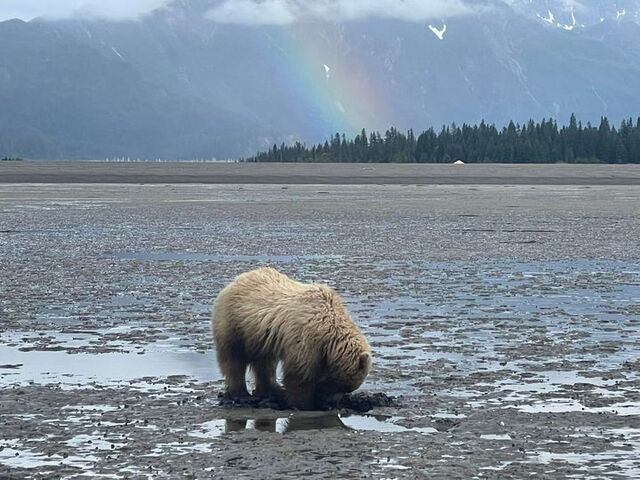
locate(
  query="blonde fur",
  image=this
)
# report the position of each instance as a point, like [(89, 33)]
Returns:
[(263, 317)]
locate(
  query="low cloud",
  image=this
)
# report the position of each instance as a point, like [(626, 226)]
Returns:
[(246, 12), (59, 9), (284, 12), (572, 4)]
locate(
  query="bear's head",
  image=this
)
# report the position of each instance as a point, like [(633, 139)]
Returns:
[(345, 372), (345, 353)]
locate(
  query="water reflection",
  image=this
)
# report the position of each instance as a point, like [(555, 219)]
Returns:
[(305, 422), (282, 425)]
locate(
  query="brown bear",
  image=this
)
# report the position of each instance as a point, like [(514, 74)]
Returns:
[(263, 317)]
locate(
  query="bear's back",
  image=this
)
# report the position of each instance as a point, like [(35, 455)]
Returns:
[(267, 282), (264, 289)]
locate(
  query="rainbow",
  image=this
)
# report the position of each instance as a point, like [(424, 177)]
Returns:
[(334, 90)]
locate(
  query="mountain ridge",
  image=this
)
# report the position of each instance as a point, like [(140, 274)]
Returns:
[(177, 85)]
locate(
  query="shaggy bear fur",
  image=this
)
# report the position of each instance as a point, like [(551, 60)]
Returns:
[(263, 317)]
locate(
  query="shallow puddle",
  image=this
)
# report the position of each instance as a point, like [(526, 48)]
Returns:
[(305, 422), (14, 455), (371, 423), (567, 405), (48, 367)]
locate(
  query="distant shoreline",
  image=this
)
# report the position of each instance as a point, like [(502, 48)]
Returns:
[(29, 171)]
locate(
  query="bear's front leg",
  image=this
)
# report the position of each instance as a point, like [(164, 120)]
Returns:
[(300, 394), (264, 370)]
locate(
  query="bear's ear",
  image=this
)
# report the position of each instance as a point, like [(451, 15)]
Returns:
[(364, 362)]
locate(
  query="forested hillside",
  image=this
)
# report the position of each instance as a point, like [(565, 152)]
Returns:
[(542, 142)]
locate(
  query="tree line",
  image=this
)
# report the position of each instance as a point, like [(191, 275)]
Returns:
[(542, 142)]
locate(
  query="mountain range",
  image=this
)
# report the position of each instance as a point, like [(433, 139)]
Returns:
[(179, 83)]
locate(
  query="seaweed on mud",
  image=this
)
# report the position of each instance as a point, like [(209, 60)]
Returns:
[(359, 402)]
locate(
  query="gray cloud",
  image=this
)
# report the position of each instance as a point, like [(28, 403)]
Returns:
[(249, 12), (56, 9), (283, 12)]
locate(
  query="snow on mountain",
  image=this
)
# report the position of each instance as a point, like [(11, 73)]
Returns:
[(117, 53), (439, 32), (550, 19), (561, 13), (572, 25)]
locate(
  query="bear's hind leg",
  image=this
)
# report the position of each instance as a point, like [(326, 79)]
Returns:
[(231, 354), (233, 363), (264, 370)]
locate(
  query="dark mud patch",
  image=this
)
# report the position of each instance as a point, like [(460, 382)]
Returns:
[(275, 402), (359, 402), (363, 402)]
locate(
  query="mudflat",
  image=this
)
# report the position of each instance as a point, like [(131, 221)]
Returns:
[(325, 173), (503, 318)]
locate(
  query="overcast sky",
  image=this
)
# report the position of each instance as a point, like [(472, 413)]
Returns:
[(252, 12)]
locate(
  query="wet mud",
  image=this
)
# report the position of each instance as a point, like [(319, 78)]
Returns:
[(360, 402), (274, 401), (503, 321)]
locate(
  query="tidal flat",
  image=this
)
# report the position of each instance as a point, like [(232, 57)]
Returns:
[(503, 318)]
